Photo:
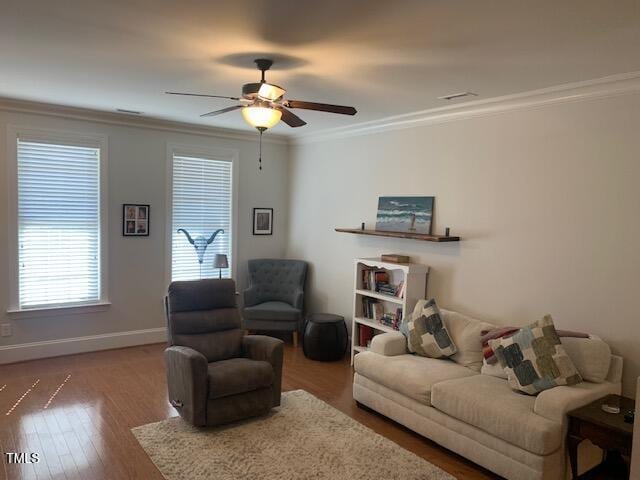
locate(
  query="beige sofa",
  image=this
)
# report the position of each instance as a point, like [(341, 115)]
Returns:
[(478, 416)]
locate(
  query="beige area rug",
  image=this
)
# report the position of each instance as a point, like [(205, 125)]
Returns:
[(304, 438)]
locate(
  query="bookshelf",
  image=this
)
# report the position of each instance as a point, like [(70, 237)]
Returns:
[(370, 305)]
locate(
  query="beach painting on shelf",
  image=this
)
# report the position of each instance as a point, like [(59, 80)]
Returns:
[(405, 214)]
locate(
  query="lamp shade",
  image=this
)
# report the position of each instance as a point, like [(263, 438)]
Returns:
[(261, 117), (220, 261)]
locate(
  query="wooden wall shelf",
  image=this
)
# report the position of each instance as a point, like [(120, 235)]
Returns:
[(414, 236)]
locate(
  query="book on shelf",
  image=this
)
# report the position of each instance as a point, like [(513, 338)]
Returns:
[(365, 334), (402, 286), (368, 306), (392, 319), (386, 288), (391, 289), (373, 309), (395, 258), (381, 276), (378, 280), (373, 277), (378, 311)]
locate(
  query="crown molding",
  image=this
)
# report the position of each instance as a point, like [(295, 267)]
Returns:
[(121, 119), (614, 85)]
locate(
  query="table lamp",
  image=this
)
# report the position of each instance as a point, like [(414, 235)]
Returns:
[(220, 262)]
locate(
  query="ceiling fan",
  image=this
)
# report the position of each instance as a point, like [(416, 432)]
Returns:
[(263, 104)]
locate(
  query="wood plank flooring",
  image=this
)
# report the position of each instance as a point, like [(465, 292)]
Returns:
[(84, 431)]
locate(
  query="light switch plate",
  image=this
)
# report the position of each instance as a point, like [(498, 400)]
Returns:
[(5, 330)]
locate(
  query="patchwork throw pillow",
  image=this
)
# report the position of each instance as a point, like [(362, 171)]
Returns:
[(504, 332), (426, 332), (534, 358)]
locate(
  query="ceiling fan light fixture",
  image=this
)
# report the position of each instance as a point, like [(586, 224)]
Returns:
[(261, 117), (270, 92)]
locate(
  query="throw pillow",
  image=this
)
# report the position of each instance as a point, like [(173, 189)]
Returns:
[(501, 332), (426, 332), (591, 356), (490, 364), (534, 358), (466, 335)]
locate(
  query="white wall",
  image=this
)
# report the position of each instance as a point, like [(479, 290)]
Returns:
[(546, 200), (137, 169)]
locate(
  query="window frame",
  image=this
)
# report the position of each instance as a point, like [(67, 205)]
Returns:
[(211, 153), (93, 140)]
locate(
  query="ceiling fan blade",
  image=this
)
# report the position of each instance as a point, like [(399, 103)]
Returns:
[(291, 118), (321, 107), (221, 111), (250, 90), (201, 95)]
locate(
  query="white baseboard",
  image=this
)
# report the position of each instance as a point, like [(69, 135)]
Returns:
[(69, 346)]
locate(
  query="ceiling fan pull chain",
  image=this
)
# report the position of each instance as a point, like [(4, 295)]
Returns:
[(260, 153)]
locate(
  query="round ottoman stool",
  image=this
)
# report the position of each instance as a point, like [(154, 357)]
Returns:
[(325, 337)]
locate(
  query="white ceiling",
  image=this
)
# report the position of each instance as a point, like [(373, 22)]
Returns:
[(384, 58)]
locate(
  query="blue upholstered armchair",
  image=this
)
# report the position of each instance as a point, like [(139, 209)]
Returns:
[(275, 297)]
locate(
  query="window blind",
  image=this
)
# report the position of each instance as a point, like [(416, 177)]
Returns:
[(202, 204), (58, 224)]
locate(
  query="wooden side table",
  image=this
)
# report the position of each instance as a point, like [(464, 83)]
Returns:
[(608, 431)]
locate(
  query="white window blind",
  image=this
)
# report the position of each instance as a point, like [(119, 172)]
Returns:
[(58, 224), (202, 204)]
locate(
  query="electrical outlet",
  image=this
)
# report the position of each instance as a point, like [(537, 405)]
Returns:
[(5, 330)]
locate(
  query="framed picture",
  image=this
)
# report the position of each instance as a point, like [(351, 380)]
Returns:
[(135, 220), (405, 214), (263, 221)]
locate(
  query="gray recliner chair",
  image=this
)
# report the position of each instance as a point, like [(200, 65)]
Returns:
[(215, 373), (274, 300)]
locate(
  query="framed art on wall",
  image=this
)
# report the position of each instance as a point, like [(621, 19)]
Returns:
[(263, 221), (135, 220), (405, 214)]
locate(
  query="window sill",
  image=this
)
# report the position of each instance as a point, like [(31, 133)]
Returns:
[(58, 311)]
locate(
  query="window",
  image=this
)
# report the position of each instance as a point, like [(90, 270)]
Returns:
[(59, 223), (202, 204)]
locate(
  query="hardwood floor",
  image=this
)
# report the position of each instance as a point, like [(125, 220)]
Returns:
[(93, 400)]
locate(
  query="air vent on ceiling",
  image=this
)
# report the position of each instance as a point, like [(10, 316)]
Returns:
[(454, 96), (129, 112)]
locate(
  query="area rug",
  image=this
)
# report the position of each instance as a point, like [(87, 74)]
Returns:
[(304, 438)]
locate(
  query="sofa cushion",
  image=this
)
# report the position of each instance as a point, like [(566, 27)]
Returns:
[(535, 359), (238, 375), (411, 375), (272, 311), (426, 331), (591, 356), (466, 333), (488, 403)]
